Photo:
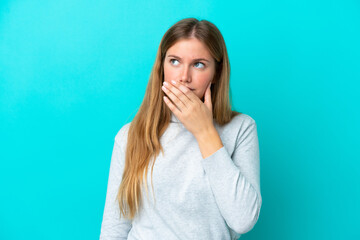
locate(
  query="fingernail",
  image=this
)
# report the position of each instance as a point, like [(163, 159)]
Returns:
[(173, 81), (165, 83)]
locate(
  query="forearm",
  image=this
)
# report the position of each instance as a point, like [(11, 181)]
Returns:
[(209, 142)]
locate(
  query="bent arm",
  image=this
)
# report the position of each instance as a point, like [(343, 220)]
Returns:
[(235, 180)]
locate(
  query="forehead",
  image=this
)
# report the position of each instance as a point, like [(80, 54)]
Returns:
[(189, 47)]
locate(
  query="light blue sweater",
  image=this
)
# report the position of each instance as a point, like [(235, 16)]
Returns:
[(213, 198)]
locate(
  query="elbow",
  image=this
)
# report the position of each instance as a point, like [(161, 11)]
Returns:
[(247, 221)]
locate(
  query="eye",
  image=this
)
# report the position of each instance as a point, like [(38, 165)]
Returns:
[(200, 63), (171, 60)]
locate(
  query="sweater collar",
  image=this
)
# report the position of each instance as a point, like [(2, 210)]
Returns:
[(174, 119)]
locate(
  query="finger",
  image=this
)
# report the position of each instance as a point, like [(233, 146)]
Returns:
[(174, 87), (187, 95), (207, 98), (172, 107), (173, 97)]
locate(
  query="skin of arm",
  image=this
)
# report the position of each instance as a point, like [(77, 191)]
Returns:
[(209, 142)]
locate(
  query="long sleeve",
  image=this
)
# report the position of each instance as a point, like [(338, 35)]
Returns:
[(235, 179), (112, 226)]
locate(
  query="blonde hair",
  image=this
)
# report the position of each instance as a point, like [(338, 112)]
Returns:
[(153, 117)]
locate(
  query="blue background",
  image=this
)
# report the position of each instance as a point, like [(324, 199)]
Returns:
[(73, 72)]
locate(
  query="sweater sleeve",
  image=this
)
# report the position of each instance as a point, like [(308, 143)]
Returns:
[(112, 226), (235, 179)]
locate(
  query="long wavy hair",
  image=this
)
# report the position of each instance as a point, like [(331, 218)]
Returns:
[(153, 116)]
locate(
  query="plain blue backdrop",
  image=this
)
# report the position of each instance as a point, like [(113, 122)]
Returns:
[(73, 72)]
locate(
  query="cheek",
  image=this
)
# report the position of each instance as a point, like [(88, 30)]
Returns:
[(169, 73), (203, 80)]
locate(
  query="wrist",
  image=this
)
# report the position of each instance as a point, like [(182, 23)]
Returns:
[(209, 142), (206, 135)]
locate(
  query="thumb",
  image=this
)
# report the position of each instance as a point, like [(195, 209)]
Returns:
[(207, 98)]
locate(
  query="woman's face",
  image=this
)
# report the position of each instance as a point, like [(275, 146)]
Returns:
[(189, 62)]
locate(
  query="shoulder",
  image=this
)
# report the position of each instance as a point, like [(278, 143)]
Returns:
[(244, 123), (121, 136), (245, 128), (241, 122), (239, 128), (243, 119)]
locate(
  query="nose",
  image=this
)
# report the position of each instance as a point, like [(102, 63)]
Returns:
[(185, 75)]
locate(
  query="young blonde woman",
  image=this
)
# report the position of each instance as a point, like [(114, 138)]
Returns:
[(204, 157)]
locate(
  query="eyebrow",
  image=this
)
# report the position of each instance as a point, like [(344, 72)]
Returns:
[(197, 59)]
